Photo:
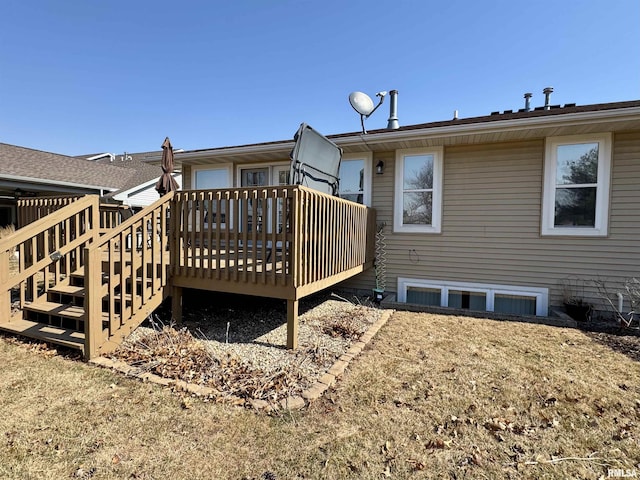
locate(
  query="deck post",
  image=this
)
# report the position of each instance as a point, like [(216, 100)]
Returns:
[(176, 304), (95, 218), (292, 324), (5, 295), (93, 337)]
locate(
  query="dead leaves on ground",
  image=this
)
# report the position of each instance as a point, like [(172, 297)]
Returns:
[(176, 354)]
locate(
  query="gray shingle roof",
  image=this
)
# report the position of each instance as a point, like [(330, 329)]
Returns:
[(141, 172), (49, 167)]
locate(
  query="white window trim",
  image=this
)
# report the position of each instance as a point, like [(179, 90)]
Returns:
[(436, 214), (228, 167), (271, 167), (540, 294), (368, 169), (602, 188)]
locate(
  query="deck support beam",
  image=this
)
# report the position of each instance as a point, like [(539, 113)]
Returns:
[(292, 324), (176, 304)]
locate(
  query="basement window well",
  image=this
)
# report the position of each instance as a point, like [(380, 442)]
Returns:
[(516, 300)]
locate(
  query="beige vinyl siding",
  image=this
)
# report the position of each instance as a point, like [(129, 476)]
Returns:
[(491, 223), (186, 177), (382, 202)]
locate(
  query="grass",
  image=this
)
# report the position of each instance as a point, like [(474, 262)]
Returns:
[(431, 397)]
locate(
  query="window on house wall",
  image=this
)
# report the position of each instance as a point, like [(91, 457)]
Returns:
[(467, 299), (517, 304), (259, 175), (515, 300), (355, 178), (206, 179), (424, 295), (576, 185), (418, 191)]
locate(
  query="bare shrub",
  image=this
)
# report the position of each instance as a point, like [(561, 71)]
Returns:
[(615, 301)]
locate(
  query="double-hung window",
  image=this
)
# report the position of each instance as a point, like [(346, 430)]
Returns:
[(577, 171), (418, 191)]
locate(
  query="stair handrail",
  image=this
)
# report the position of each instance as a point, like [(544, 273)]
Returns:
[(43, 260), (157, 243)]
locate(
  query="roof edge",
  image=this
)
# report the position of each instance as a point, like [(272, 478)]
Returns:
[(45, 181)]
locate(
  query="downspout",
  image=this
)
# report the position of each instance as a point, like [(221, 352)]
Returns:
[(620, 302)]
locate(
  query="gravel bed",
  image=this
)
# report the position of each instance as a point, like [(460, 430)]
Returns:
[(251, 332)]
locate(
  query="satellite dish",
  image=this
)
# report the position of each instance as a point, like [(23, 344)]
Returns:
[(361, 103)]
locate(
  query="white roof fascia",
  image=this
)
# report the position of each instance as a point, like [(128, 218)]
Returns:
[(232, 151), (45, 181), (484, 127), (497, 126)]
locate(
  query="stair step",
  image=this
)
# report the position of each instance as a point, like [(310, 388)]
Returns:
[(73, 312), (72, 290), (42, 331)]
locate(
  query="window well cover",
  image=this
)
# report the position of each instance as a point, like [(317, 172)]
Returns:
[(315, 161)]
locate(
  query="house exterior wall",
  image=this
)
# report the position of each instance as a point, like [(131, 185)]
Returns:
[(146, 195), (492, 196), (186, 177)]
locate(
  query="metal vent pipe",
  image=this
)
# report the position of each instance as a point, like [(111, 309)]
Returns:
[(527, 101), (547, 97), (393, 124)]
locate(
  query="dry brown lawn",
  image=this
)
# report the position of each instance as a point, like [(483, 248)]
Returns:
[(431, 397)]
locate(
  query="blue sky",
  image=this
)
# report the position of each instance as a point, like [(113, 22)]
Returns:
[(89, 76)]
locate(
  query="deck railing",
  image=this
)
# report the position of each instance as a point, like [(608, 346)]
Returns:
[(35, 259), (112, 215), (287, 236), (233, 235), (335, 236), (30, 209), (126, 275)]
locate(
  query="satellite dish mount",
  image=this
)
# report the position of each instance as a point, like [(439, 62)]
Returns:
[(362, 103)]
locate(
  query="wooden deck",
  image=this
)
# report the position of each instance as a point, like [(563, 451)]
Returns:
[(107, 273)]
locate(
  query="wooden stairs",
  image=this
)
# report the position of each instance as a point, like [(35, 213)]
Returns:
[(59, 316), (82, 287)]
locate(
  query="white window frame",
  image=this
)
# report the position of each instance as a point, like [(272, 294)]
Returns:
[(540, 294), (600, 229), (272, 172), (227, 167), (272, 168), (436, 214), (368, 169)]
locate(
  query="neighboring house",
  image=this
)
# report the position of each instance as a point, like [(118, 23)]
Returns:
[(497, 213), (139, 191), (25, 172), (28, 172)]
